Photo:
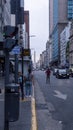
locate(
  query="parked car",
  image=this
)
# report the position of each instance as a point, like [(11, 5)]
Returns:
[(62, 73), (55, 71), (71, 71)]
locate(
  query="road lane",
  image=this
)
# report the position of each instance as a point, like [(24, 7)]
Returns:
[(63, 109), (44, 117)]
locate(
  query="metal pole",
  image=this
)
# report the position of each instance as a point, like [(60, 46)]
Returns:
[(22, 75), (16, 68), (6, 122), (22, 22), (16, 56)]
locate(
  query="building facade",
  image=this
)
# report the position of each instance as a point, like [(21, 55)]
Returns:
[(47, 53), (26, 20), (5, 19), (64, 39), (58, 24), (70, 9), (43, 60), (71, 45), (50, 17)]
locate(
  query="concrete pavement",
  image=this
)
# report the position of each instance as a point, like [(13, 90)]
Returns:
[(30, 112), (26, 114)]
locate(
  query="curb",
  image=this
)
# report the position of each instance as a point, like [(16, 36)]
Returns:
[(34, 119), (33, 110)]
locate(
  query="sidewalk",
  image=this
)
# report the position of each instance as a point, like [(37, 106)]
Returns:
[(25, 115), (24, 122)]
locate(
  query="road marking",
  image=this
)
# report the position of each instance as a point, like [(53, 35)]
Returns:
[(34, 120), (25, 99), (33, 110), (60, 95)]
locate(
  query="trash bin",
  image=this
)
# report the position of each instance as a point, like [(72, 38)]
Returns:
[(12, 102)]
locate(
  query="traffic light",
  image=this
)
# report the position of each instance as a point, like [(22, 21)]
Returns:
[(9, 44), (10, 31), (10, 34)]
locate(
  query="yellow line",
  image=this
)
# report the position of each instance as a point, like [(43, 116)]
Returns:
[(34, 120), (25, 99)]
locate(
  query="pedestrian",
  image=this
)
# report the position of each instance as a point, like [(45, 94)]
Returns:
[(28, 84), (48, 72), (21, 85)]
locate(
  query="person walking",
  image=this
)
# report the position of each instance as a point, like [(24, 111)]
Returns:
[(21, 85), (48, 72), (28, 84)]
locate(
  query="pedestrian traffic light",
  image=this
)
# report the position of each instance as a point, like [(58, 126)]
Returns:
[(9, 44), (10, 31)]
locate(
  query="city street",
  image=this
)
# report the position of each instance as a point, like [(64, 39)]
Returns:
[(54, 102), (36, 40), (53, 105)]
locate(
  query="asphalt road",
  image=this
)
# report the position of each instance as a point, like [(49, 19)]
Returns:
[(54, 102)]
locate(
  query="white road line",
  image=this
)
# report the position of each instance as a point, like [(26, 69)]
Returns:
[(60, 95)]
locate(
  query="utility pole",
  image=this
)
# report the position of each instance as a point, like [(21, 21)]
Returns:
[(22, 49), (17, 15), (9, 44)]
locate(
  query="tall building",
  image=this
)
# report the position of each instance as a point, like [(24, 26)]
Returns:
[(70, 9), (26, 20), (50, 17), (4, 20), (7, 13), (71, 45), (64, 39), (58, 12), (1, 20)]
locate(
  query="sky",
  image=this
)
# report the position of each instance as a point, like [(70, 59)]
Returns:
[(39, 24)]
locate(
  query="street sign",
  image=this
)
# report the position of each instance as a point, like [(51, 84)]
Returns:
[(15, 50), (26, 52)]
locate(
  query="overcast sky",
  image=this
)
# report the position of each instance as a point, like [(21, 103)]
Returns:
[(39, 24)]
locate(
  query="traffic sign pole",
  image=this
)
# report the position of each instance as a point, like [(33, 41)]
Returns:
[(6, 122)]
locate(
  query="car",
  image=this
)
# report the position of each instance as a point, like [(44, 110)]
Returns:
[(62, 73), (71, 70), (55, 71)]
